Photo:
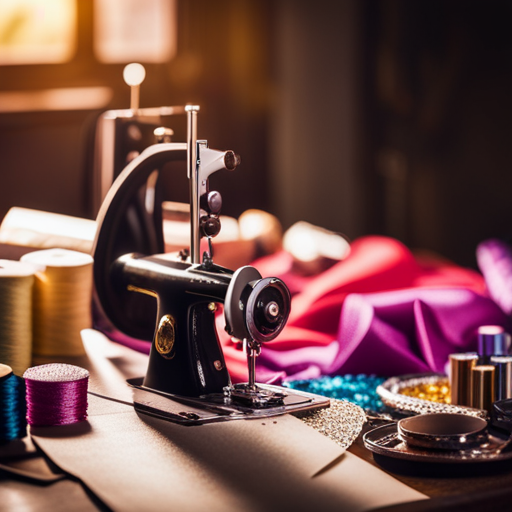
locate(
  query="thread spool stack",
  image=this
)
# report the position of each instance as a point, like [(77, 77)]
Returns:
[(62, 301), (16, 288), (488, 376), (478, 380), (13, 424), (56, 394)]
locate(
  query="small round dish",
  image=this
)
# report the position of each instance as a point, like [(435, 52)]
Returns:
[(443, 431), (384, 441)]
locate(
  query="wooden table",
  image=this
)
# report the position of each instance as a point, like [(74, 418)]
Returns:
[(449, 490), (452, 491)]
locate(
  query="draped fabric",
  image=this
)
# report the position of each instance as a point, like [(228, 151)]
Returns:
[(494, 259), (381, 311)]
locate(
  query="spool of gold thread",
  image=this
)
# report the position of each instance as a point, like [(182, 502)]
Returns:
[(62, 301), (483, 387), (16, 288), (461, 366)]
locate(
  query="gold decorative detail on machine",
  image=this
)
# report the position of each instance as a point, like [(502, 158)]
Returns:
[(165, 336)]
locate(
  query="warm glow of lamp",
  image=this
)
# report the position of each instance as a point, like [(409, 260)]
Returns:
[(134, 74)]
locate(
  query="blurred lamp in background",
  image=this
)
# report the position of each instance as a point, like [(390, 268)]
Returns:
[(135, 30)]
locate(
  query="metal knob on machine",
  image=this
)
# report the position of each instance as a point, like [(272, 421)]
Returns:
[(231, 160), (210, 226), (268, 308), (212, 202)]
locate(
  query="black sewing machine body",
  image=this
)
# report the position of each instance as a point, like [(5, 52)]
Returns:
[(186, 356), (173, 300)]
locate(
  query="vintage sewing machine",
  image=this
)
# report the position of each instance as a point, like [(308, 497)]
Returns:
[(172, 300)]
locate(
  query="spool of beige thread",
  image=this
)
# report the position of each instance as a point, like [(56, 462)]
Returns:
[(16, 289), (62, 301)]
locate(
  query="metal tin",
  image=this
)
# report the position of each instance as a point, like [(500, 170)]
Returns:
[(483, 393), (461, 366), (443, 431)]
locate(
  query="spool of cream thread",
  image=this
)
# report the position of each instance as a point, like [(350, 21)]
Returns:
[(16, 291), (62, 301)]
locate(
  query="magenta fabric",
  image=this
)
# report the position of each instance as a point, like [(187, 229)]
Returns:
[(411, 330)]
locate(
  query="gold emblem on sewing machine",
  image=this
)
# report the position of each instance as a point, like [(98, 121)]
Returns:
[(165, 336)]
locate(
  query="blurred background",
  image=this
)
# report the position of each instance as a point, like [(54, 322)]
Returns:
[(360, 116)]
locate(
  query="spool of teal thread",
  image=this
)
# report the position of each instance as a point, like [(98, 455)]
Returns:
[(13, 406)]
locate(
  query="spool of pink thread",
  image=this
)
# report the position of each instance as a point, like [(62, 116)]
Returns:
[(56, 394)]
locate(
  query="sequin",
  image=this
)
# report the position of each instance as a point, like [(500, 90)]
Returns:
[(418, 401), (359, 389), (341, 422), (438, 391)]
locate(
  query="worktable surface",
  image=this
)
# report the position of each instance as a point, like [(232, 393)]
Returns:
[(479, 492), (450, 488)]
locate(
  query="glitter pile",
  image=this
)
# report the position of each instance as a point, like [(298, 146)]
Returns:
[(341, 422), (358, 389), (428, 386), (432, 391), (56, 394)]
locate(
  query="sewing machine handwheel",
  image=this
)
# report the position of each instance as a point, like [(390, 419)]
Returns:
[(233, 303), (256, 308), (267, 310)]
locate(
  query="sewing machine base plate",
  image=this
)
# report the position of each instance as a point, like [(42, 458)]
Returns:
[(217, 407)]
